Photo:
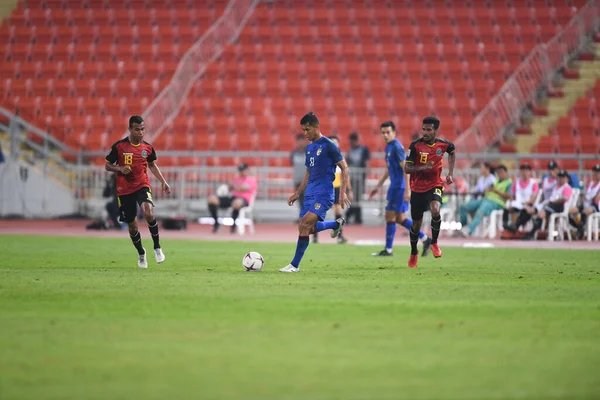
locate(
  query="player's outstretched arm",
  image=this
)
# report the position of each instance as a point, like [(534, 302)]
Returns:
[(344, 200), (110, 167), (292, 199), (412, 168), (156, 172), (383, 178), (451, 162)]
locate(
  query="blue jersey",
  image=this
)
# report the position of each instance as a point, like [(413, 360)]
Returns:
[(394, 155), (321, 159)]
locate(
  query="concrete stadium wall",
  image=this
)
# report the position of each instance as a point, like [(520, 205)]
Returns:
[(24, 192)]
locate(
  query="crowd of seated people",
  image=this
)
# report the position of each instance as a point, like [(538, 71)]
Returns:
[(527, 202)]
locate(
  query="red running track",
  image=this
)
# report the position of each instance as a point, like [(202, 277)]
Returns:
[(271, 233)]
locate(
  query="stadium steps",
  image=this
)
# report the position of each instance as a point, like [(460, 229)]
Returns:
[(588, 72), (6, 8), (55, 171)]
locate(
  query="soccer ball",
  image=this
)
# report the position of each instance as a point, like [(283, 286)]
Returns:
[(253, 261)]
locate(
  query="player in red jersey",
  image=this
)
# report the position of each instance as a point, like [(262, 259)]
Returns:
[(424, 164), (130, 159)]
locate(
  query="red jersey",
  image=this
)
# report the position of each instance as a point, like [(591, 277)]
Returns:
[(419, 153), (137, 156)]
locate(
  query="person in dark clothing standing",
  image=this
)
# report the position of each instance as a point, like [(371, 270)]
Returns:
[(112, 206), (358, 160)]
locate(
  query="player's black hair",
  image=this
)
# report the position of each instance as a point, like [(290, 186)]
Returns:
[(388, 124), (135, 119), (353, 136), (333, 137), (502, 167), (310, 119), (489, 166), (432, 120)]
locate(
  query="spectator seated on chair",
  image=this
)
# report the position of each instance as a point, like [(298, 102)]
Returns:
[(554, 204), (590, 202), (524, 193), (486, 180), (243, 189), (495, 198)]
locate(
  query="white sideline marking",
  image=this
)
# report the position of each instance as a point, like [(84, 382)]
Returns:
[(369, 243), (479, 245)]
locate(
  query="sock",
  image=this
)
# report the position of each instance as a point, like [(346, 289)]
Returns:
[(414, 239), (136, 238), (300, 249), (522, 219), (583, 219), (435, 228), (212, 208), (390, 232), (537, 224), (505, 215), (407, 223), (322, 225), (153, 227), (234, 215)]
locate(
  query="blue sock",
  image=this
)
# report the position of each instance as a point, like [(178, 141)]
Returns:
[(408, 223), (300, 249), (390, 232), (322, 225)]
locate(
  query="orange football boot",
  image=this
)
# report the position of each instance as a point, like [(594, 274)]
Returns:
[(413, 260), (435, 250)]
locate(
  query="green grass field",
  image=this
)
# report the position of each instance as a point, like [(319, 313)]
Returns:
[(79, 320)]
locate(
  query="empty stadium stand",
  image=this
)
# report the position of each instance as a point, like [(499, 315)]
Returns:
[(578, 132), (359, 63), (80, 67)]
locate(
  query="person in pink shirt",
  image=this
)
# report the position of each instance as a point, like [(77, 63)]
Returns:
[(555, 204), (524, 193), (243, 190)]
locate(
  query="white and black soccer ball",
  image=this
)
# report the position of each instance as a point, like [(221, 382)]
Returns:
[(253, 261)]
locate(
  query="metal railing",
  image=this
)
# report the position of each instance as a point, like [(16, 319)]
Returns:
[(31, 144), (535, 72), (193, 184), (165, 107)]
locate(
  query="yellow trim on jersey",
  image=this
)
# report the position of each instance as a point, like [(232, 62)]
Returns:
[(430, 145), (135, 145), (410, 161)]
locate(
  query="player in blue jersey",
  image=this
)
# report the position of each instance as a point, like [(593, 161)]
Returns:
[(398, 195), (322, 157)]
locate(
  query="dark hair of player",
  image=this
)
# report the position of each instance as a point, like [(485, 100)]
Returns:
[(432, 120), (334, 137), (135, 119), (310, 119), (388, 124), (502, 167), (353, 136)]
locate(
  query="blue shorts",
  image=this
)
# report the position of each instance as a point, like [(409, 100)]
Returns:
[(395, 201), (316, 204)]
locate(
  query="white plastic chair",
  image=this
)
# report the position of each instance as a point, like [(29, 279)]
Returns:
[(495, 222), (559, 222), (593, 226), (246, 218)]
